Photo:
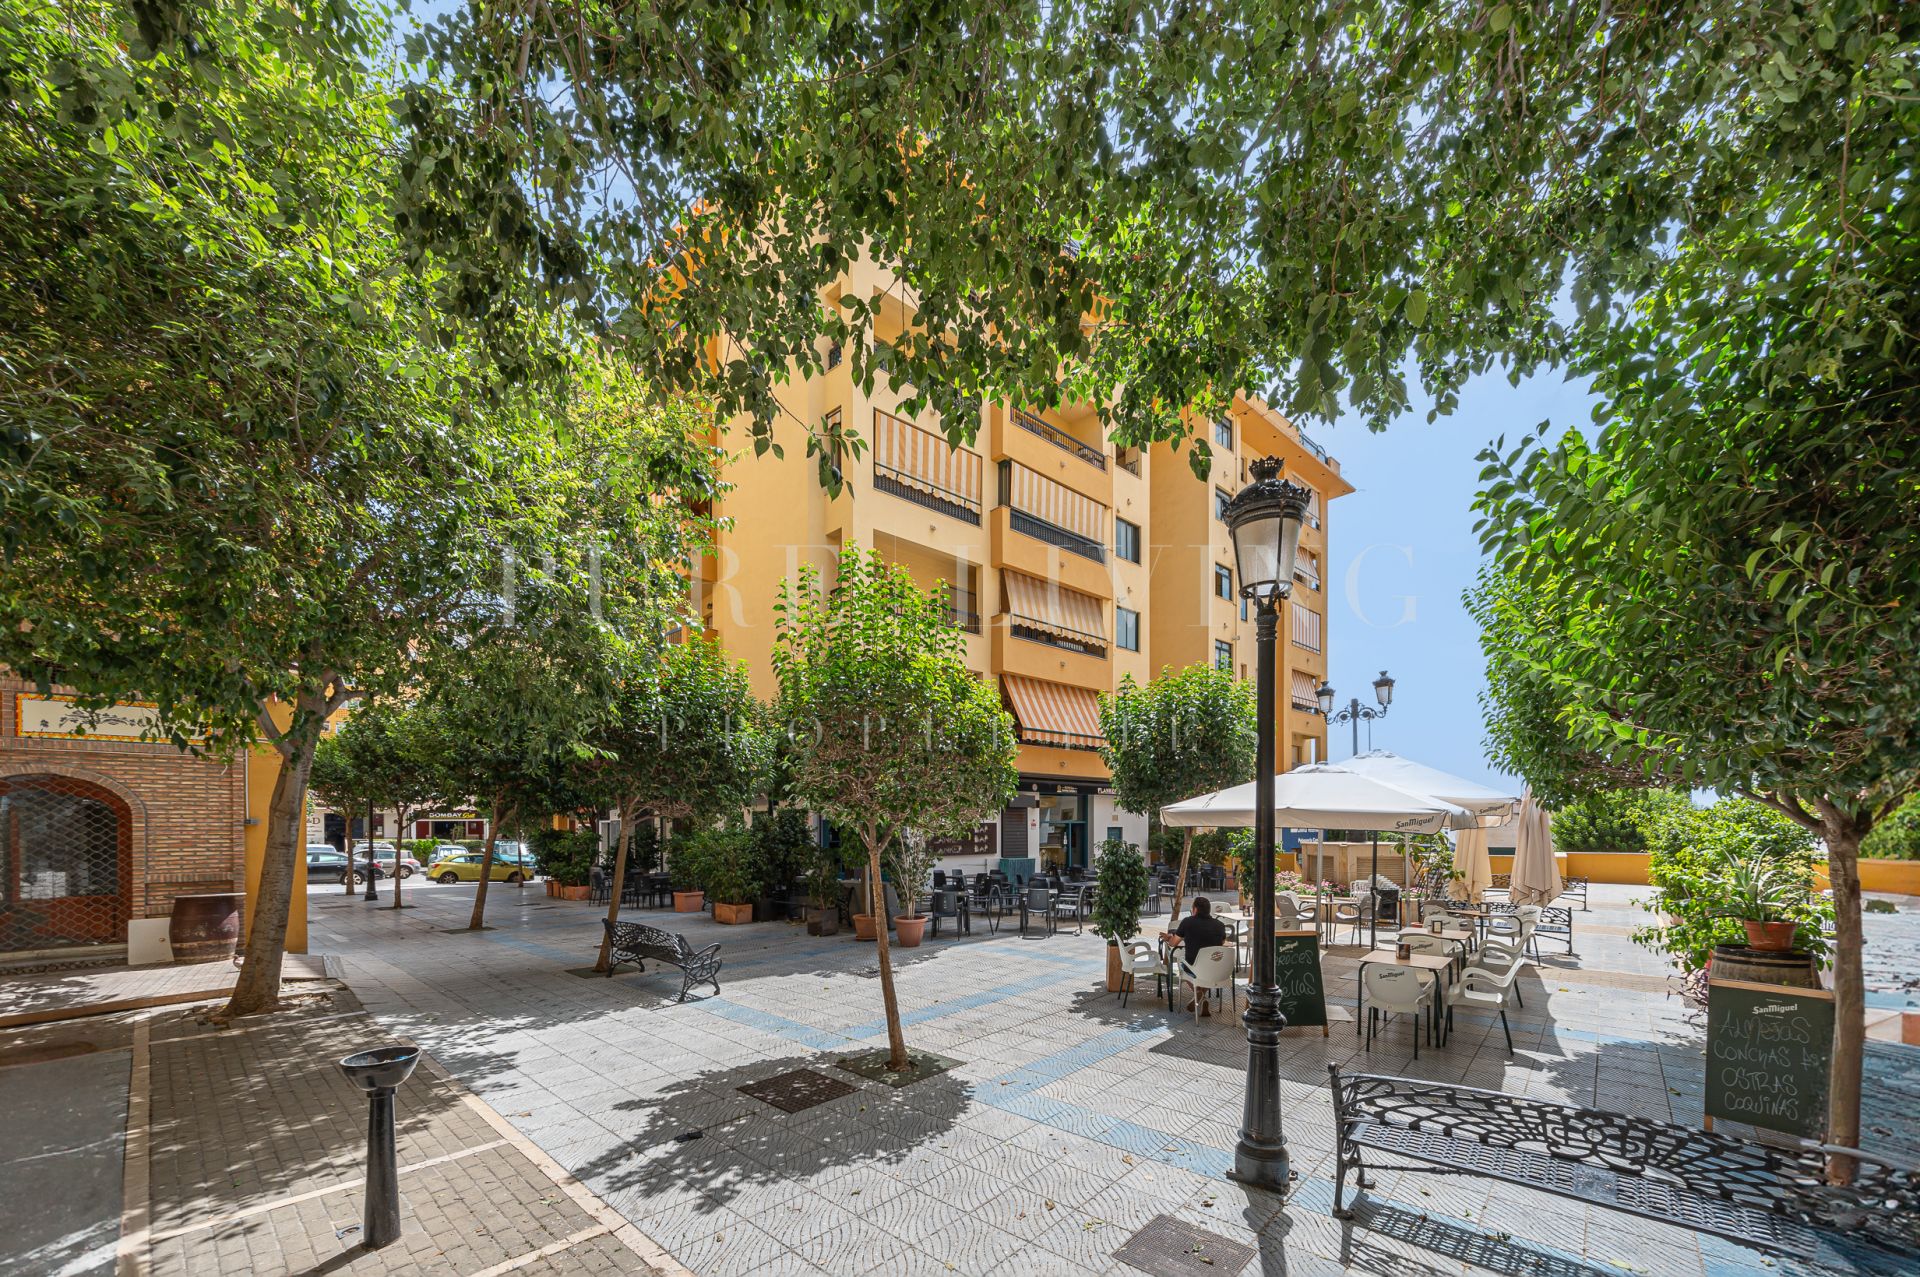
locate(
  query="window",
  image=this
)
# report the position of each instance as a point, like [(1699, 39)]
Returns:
[(1126, 628), (1306, 627), (1223, 655), (1223, 433), (1246, 609), (1126, 540), (1220, 500), (1222, 581)]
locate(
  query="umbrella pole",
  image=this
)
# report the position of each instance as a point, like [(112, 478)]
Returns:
[(1373, 895)]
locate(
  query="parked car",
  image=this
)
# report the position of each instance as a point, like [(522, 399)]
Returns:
[(465, 867), (383, 864), (324, 864), (383, 854)]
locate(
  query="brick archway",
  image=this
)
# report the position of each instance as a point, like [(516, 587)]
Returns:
[(66, 860)]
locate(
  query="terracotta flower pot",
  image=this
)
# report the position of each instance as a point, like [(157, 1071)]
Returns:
[(732, 914), (1116, 974), (907, 932), (570, 893), (1772, 937), (863, 926), (689, 901), (553, 888)]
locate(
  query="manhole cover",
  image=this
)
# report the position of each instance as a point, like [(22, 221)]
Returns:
[(800, 1089), (1168, 1248)]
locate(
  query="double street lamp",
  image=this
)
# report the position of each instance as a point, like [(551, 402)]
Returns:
[(1265, 519), (1355, 712)]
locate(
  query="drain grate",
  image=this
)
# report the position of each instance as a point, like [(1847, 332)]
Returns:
[(1168, 1248), (800, 1089)]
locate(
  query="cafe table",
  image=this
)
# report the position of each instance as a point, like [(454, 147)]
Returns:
[(1238, 924), (1438, 963)]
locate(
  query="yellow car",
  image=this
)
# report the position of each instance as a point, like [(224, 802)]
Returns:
[(465, 867)]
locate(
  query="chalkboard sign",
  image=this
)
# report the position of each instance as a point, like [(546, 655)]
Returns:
[(1769, 1054), (1296, 969)]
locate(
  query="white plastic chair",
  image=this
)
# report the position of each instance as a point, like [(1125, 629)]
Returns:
[(1396, 991), (1210, 972), (1142, 958), (1502, 966), (1483, 991)]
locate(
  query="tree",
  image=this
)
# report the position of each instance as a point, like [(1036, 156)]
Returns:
[(343, 787), (1121, 872), (1186, 732), (240, 477), (681, 739), (888, 730), (382, 754)]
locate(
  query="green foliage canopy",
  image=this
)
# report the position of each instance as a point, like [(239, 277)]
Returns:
[(1615, 819)]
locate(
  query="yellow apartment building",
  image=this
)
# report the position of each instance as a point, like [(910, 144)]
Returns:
[(1073, 564)]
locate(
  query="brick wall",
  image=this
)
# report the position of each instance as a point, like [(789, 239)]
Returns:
[(188, 813)]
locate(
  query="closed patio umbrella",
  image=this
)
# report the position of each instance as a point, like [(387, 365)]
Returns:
[(1473, 870), (1536, 875), (1489, 805)]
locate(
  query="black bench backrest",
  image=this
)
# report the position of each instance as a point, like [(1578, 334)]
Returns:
[(652, 942)]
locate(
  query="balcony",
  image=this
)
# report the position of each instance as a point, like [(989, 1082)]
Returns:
[(1072, 542), (900, 484), (1060, 439), (965, 620), (922, 467)]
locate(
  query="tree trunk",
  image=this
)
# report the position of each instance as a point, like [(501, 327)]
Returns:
[(258, 988), (1180, 882), (347, 878), (1849, 996), (605, 960), (399, 851), (877, 905), (479, 917)]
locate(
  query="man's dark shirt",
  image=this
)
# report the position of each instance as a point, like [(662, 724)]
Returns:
[(1200, 933)]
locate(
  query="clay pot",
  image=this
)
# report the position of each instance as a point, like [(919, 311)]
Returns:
[(206, 928), (568, 893), (1116, 973), (863, 926), (553, 888), (1771, 937), (689, 901), (732, 914), (907, 932)]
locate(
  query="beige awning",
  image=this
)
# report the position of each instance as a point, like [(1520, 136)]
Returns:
[(1306, 694), (1049, 606), (925, 460), (1054, 713), (1035, 494)]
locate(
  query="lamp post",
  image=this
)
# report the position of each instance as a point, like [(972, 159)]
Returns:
[(372, 892), (1264, 518), (1355, 712)]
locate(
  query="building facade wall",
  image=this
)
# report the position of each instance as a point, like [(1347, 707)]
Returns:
[(185, 816)]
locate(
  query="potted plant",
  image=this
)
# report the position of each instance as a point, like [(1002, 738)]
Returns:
[(1122, 893), (1759, 895), (780, 854), (565, 858), (687, 870), (730, 876), (912, 864), (823, 893)]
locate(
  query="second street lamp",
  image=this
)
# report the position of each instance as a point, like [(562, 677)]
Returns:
[(1264, 518)]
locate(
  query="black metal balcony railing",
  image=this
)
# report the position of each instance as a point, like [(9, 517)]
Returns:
[(1085, 646), (905, 486), (1041, 530), (968, 621), (1060, 438)]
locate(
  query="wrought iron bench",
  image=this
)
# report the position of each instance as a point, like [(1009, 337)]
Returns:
[(1554, 920), (1575, 887), (635, 941), (1773, 1198)]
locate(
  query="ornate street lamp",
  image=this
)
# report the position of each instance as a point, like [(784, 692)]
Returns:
[(1264, 518), (1355, 712)]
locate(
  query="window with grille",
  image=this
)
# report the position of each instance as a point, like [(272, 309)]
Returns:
[(65, 853)]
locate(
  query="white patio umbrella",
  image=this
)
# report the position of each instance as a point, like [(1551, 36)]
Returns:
[(1327, 796), (1489, 805), (1536, 875), (1322, 795), (1471, 864)]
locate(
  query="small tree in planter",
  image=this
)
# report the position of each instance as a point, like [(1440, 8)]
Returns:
[(687, 868), (1122, 894), (782, 854), (911, 861), (565, 858), (1187, 732), (732, 869), (888, 729)]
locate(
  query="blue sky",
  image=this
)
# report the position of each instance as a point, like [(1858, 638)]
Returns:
[(1403, 550)]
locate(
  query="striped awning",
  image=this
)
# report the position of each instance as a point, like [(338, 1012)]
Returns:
[(1054, 713), (925, 460), (1036, 495), (1306, 693), (1049, 606)]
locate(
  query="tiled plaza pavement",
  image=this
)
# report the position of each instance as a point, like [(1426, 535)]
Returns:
[(1070, 1122)]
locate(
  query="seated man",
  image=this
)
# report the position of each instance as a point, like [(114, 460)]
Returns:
[(1199, 930)]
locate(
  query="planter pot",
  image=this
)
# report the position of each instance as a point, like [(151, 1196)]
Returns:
[(1770, 937), (863, 926), (205, 928), (908, 931), (567, 893), (553, 888), (1794, 968), (823, 926), (1116, 974), (732, 914), (689, 901)]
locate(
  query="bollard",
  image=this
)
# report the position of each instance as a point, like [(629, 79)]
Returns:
[(379, 1072)]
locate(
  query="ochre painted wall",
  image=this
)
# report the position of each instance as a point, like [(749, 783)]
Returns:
[(1900, 877)]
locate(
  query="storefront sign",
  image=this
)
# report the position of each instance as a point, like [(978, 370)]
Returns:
[(60, 716)]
